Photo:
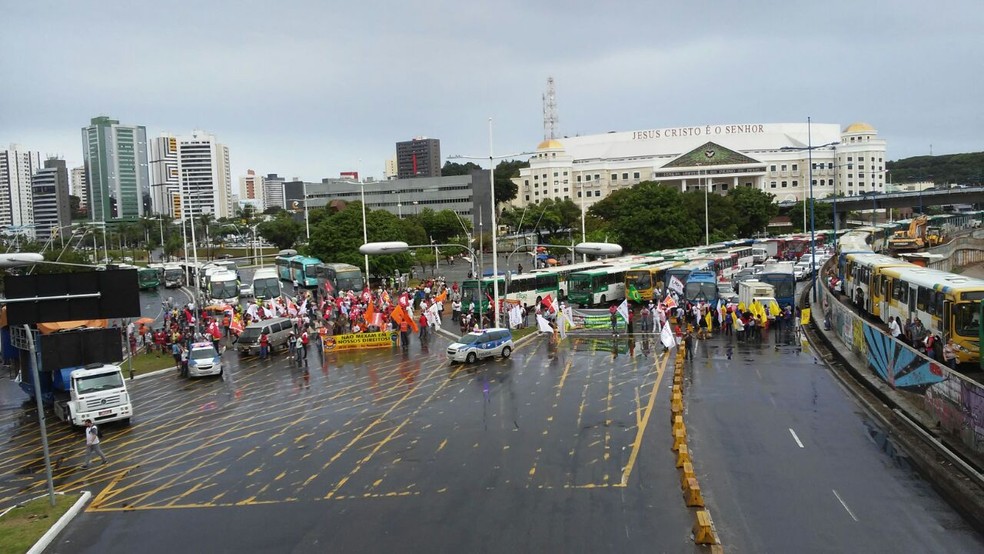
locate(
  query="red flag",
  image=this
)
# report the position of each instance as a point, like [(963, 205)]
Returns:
[(548, 302), (400, 315), (365, 295), (370, 312), (404, 300)]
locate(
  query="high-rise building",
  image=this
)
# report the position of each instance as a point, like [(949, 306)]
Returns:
[(251, 187), (16, 168), (389, 169), (273, 191), (115, 168), (418, 157), (203, 170), (76, 186), (52, 213), (164, 180)]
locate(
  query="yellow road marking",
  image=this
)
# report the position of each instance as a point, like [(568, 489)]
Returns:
[(627, 472)]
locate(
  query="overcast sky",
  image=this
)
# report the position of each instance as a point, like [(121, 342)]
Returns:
[(312, 88)]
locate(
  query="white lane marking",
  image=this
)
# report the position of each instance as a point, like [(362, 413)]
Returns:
[(795, 438), (841, 500)]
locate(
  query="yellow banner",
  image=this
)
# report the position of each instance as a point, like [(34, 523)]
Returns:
[(805, 318), (378, 339)]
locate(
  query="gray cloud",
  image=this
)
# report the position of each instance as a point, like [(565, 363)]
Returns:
[(311, 88)]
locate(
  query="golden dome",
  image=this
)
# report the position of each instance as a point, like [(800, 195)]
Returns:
[(550, 144), (859, 127)]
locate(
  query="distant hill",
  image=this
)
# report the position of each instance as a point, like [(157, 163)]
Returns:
[(956, 169)]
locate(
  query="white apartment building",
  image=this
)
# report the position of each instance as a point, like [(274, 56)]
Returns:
[(17, 166), (191, 175), (77, 186), (776, 158), (251, 189), (164, 182)]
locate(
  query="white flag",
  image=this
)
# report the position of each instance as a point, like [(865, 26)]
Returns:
[(676, 285), (623, 310), (543, 324), (562, 324), (666, 336)]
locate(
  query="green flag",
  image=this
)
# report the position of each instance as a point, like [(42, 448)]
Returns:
[(633, 294)]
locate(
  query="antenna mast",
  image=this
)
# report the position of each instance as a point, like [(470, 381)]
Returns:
[(550, 111)]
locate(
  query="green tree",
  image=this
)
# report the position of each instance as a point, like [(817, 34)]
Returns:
[(281, 231), (505, 188), (451, 168), (754, 208), (722, 215), (824, 214), (74, 208), (337, 237), (647, 217)]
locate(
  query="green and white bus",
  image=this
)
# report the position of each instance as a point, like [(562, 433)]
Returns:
[(525, 288), (563, 273), (598, 287)]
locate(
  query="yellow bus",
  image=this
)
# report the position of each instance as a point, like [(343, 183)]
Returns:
[(863, 279), (947, 304), (648, 280)]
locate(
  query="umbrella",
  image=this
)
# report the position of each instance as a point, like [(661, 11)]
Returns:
[(145, 320)]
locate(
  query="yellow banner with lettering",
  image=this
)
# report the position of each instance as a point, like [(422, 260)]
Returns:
[(378, 339)]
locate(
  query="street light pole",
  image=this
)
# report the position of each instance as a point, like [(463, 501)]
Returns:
[(365, 232), (584, 235), (707, 216), (813, 220), (307, 222), (495, 250)]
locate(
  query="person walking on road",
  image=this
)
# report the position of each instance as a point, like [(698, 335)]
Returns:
[(92, 444)]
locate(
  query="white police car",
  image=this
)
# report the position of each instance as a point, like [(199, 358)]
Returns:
[(481, 344), (204, 360)]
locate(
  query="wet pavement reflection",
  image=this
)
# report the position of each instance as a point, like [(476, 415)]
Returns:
[(360, 424)]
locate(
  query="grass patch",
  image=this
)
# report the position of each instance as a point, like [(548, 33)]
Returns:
[(22, 526), (147, 363), (522, 332)]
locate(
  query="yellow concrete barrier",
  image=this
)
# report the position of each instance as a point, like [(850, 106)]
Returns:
[(677, 389), (691, 492), (687, 472), (678, 379), (683, 456), (676, 407), (678, 423), (704, 528), (679, 439)]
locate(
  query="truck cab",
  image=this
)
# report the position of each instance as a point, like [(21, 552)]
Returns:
[(96, 391)]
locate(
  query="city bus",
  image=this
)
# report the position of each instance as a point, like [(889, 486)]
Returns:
[(479, 292), (531, 288), (302, 270), (563, 273), (148, 278), (223, 286), (649, 281), (780, 276), (599, 286), (701, 287), (948, 305), (266, 284), (334, 277), (282, 263), (681, 273), (174, 276)]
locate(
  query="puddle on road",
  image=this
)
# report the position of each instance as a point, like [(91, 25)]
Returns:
[(887, 446)]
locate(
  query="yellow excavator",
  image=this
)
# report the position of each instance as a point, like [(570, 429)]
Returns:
[(911, 239)]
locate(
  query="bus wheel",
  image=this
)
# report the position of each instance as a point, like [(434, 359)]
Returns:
[(538, 300), (604, 300)]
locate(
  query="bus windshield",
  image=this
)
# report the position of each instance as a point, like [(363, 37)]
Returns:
[(967, 319), (173, 273), (266, 288), (350, 280), (701, 291), (469, 292), (579, 283), (639, 279), (224, 289)]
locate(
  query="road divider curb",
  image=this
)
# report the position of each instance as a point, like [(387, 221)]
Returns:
[(703, 529), (49, 537)]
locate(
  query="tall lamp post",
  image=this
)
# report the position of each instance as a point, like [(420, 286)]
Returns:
[(495, 249), (813, 222), (584, 235)]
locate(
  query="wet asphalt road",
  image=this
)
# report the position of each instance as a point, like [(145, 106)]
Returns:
[(554, 449), (380, 451)]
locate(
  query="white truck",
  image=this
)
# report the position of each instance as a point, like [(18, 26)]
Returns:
[(752, 290), (96, 391)]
